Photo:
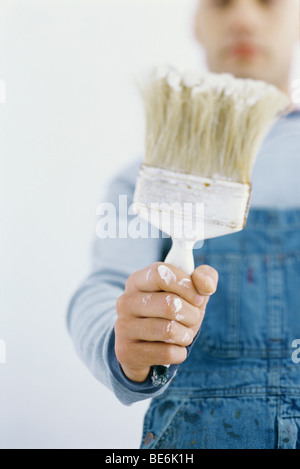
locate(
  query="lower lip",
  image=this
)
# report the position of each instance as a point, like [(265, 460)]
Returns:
[(245, 52)]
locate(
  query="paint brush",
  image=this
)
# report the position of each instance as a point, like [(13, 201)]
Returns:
[(203, 132), (202, 135)]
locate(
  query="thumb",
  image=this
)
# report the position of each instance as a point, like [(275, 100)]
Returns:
[(205, 279)]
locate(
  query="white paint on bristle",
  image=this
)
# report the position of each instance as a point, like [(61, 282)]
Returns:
[(192, 78), (174, 80), (162, 71), (237, 112)]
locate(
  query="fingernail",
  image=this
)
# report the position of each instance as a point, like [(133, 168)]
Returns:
[(206, 294), (199, 300)]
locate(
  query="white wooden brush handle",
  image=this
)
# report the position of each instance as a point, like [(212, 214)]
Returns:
[(181, 256)]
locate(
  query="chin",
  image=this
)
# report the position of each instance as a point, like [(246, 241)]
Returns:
[(248, 74), (246, 70)]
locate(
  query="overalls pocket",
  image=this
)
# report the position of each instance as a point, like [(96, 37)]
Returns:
[(195, 422), (161, 417)]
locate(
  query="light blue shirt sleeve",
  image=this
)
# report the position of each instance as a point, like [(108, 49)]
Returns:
[(91, 313)]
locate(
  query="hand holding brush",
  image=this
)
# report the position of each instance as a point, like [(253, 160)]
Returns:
[(159, 314)]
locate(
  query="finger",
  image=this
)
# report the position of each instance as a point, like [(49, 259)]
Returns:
[(205, 279), (158, 330), (143, 354), (164, 277), (162, 305)]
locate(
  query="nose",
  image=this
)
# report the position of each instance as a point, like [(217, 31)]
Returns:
[(245, 17)]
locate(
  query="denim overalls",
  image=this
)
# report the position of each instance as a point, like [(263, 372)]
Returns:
[(240, 387)]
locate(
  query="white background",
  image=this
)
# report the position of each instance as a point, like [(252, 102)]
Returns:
[(72, 117)]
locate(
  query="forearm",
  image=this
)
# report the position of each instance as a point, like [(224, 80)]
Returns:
[(91, 313), (90, 320)]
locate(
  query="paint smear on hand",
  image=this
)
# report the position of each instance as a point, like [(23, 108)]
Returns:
[(169, 299), (166, 274), (177, 303), (146, 299), (186, 337), (170, 326), (185, 282)]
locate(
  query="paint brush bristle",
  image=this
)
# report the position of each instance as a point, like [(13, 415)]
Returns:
[(205, 124)]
